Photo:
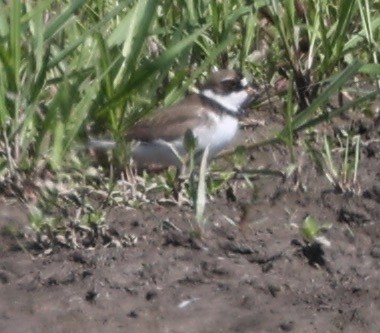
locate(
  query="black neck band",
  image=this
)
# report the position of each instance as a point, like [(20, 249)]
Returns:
[(221, 108)]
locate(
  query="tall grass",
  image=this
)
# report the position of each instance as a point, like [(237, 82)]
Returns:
[(70, 67), (71, 64)]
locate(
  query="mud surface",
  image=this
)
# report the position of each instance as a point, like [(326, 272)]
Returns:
[(256, 276)]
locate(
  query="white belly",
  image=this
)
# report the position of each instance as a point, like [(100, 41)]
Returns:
[(217, 136)]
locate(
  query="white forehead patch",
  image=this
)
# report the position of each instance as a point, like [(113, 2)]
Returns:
[(232, 101), (244, 82)]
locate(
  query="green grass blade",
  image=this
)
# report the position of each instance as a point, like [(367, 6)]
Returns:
[(36, 26), (145, 72), (329, 160), (370, 69), (105, 64), (134, 29), (345, 12), (4, 26), (58, 142), (64, 18), (192, 12), (119, 34), (15, 39), (357, 38), (40, 7), (323, 97), (79, 113), (138, 29), (330, 115), (4, 114), (236, 14), (84, 35)]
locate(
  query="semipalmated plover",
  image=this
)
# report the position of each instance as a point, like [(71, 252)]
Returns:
[(212, 115)]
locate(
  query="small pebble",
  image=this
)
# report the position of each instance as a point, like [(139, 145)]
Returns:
[(151, 294), (375, 252), (287, 327)]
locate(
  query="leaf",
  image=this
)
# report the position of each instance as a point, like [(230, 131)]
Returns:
[(132, 31), (144, 73), (310, 228), (323, 97), (62, 19), (15, 40), (189, 141), (371, 69), (65, 52)]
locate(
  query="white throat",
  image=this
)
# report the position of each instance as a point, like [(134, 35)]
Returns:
[(232, 102)]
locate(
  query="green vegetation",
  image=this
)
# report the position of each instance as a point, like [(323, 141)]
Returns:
[(74, 69), (343, 173), (311, 230)]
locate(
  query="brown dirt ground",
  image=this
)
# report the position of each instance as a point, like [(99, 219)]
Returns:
[(258, 277)]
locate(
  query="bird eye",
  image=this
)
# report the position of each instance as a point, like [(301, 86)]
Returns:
[(233, 85)]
